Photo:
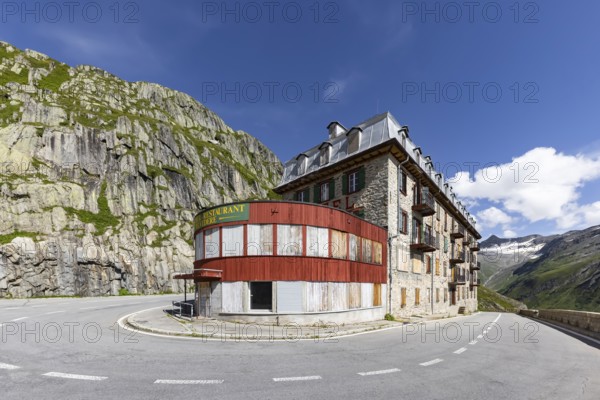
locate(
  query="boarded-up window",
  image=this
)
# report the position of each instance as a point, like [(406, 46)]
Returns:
[(316, 296), (417, 296), (437, 295), (233, 240), (232, 295), (339, 296), (212, 243), (289, 296), (403, 257), (289, 240), (260, 240), (367, 251), (437, 266), (354, 299), (353, 247), (339, 244), (377, 253), (376, 294), (200, 246), (403, 297), (417, 262), (428, 264), (317, 242), (366, 293), (445, 295)]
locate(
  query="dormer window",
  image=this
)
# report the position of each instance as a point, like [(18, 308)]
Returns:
[(335, 129), (354, 140), (301, 162), (417, 152), (324, 153)]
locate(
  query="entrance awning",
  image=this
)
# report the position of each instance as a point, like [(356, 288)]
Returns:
[(202, 275)]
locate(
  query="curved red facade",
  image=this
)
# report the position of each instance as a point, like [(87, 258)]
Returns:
[(234, 260)]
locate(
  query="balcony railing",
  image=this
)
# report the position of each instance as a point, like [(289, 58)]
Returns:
[(423, 240), (475, 266), (474, 246), (457, 279), (424, 203), (457, 256), (475, 282), (458, 232)]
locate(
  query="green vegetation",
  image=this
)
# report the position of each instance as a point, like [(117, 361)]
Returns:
[(103, 220), (5, 239), (10, 76), (8, 111), (57, 77), (389, 317), (154, 171), (488, 300)]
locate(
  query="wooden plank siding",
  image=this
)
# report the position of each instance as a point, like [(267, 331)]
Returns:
[(301, 267)]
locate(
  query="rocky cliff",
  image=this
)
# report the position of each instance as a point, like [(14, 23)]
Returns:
[(100, 178)]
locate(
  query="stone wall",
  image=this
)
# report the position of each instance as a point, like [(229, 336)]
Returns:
[(587, 323)]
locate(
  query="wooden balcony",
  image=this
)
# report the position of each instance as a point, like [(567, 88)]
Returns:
[(474, 246), (456, 256), (457, 280), (475, 282), (475, 266), (458, 232), (424, 241), (424, 203)]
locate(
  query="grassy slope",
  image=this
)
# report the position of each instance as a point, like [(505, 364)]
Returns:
[(488, 300)]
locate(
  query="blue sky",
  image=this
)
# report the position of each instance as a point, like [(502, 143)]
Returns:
[(502, 87)]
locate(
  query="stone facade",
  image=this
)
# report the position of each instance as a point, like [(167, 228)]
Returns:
[(420, 282)]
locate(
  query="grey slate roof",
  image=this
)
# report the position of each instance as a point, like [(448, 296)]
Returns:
[(376, 130)]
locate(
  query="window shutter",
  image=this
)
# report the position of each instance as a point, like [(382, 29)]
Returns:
[(297, 196), (361, 178), (345, 184), (331, 189), (317, 193)]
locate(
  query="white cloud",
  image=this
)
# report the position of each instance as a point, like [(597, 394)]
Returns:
[(492, 217), (541, 184), (509, 234)]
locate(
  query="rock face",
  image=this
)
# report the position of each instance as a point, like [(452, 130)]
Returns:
[(100, 178)]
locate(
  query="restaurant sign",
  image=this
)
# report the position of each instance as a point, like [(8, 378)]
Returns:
[(218, 215)]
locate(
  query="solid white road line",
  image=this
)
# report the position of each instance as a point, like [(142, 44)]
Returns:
[(428, 363), (54, 312), (8, 366), (188, 382), (13, 308), (38, 306), (74, 376), (380, 372), (473, 342), (18, 319), (480, 337), (461, 350), (298, 378)]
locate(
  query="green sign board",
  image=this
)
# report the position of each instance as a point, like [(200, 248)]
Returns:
[(218, 215)]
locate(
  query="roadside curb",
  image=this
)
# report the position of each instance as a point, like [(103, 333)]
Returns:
[(127, 322)]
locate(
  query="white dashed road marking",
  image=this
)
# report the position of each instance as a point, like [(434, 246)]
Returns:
[(383, 371), (428, 363), (74, 376), (8, 366), (461, 350), (54, 312), (13, 308), (188, 382), (18, 319), (480, 337), (298, 378), (473, 342)]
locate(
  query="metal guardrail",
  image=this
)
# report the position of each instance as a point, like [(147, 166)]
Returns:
[(183, 309)]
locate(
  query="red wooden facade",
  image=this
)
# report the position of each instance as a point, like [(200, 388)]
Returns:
[(299, 268)]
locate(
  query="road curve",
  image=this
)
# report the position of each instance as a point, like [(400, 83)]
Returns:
[(74, 348)]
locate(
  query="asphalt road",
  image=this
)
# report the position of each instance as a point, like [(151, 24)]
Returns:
[(74, 349)]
